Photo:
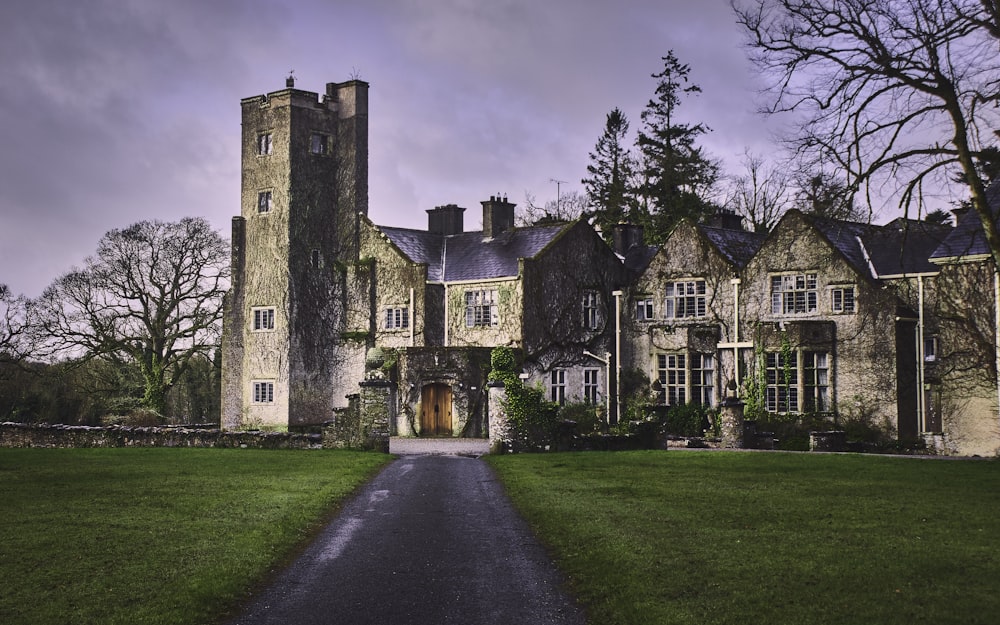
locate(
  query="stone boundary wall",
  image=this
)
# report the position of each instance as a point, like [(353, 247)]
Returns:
[(24, 435)]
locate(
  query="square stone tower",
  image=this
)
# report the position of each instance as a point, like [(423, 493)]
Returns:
[(304, 188)]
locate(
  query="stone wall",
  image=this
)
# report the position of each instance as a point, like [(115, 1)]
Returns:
[(22, 435)]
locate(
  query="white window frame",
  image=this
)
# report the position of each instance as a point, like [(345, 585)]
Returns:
[(644, 309), (481, 308), (685, 299), (397, 317), (779, 397), (843, 299), (815, 381), (702, 376), (794, 293), (263, 391), (592, 386), (557, 386), (591, 310), (265, 201), (262, 318), (672, 373), (265, 143)]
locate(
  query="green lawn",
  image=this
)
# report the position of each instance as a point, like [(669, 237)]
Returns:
[(744, 538), (136, 536)]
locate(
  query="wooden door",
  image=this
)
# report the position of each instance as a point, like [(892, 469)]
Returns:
[(435, 410)]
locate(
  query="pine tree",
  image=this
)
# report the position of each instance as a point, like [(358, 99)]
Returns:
[(676, 173), (609, 186)]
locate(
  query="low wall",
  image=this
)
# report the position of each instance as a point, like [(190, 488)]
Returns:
[(45, 435)]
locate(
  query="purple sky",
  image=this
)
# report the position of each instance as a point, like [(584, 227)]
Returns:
[(115, 111)]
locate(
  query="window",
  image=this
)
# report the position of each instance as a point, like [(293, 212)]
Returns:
[(397, 318), (842, 299), (481, 308), (671, 371), (315, 259), (591, 320), (816, 382), (263, 392), (644, 309), (793, 294), (591, 390), (685, 299), (557, 387), (264, 144), (703, 379), (319, 143), (930, 348), (264, 202), (782, 379), (263, 319)]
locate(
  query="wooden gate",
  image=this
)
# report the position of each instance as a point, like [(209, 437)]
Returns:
[(435, 410)]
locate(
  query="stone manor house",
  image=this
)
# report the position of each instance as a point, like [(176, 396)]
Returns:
[(896, 323)]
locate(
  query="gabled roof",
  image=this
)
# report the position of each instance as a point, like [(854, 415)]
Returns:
[(638, 257), (737, 246), (968, 239), (904, 246), (846, 237), (467, 256)]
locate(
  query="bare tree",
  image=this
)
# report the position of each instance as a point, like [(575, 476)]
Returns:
[(890, 90), (761, 194), (567, 207), (152, 297), (13, 336)]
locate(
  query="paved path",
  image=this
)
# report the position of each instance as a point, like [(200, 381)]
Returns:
[(475, 447), (431, 540)]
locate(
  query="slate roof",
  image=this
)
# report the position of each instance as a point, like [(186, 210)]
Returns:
[(466, 256), (638, 257), (904, 246), (967, 239), (738, 246), (846, 237)]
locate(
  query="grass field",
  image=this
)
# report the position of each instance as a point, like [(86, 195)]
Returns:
[(715, 537), (137, 536)]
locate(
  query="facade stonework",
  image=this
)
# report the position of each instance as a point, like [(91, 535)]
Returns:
[(834, 318)]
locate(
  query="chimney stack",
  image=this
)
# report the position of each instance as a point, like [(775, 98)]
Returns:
[(625, 236), (726, 219), (498, 216), (445, 219)]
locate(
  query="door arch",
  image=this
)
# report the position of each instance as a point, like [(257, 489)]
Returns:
[(435, 410)]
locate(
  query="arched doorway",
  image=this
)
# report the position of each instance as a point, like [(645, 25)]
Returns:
[(435, 410)]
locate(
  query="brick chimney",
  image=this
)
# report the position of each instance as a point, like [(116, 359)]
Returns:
[(726, 219), (445, 219), (625, 236), (498, 216)]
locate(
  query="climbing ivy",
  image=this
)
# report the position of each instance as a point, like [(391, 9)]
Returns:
[(531, 417)]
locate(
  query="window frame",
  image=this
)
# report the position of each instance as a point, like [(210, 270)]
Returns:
[(672, 374), (265, 201), (847, 305), (265, 143), (259, 318), (644, 309), (591, 303), (320, 144), (397, 317), (557, 386), (262, 392), (481, 308), (685, 299), (592, 385), (702, 377), (792, 297)]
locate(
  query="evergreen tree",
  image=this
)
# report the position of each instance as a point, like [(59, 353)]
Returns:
[(676, 174), (609, 186)]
